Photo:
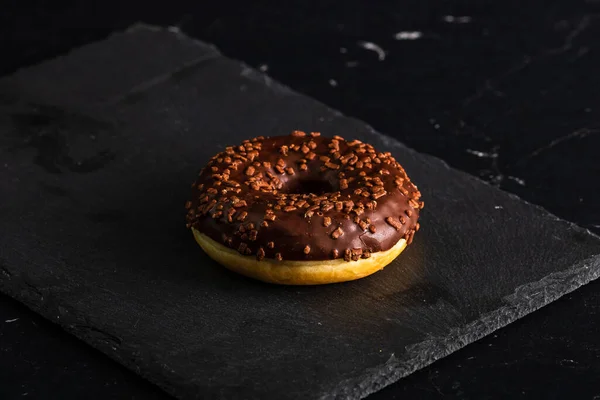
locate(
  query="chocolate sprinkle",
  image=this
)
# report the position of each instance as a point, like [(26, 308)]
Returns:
[(260, 254), (347, 255), (397, 225), (337, 233)]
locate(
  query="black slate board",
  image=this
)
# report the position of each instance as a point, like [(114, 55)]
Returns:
[(98, 149)]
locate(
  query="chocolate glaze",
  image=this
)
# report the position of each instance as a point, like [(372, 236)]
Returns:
[(347, 201)]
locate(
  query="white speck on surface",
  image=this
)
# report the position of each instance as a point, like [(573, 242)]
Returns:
[(343, 50), (518, 180), (333, 82), (436, 126), (174, 29), (351, 64), (408, 35), (587, 110), (263, 68), (498, 207), (482, 154), (567, 362), (373, 47), (8, 321), (451, 19)]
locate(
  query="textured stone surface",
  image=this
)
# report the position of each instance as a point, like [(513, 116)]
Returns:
[(97, 165)]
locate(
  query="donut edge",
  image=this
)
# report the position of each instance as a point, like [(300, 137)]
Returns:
[(292, 272)]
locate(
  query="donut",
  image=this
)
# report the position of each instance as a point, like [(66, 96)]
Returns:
[(303, 209)]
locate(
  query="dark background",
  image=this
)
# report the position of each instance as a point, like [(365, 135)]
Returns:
[(509, 93)]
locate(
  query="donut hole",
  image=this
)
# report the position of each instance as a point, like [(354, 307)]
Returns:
[(308, 186)]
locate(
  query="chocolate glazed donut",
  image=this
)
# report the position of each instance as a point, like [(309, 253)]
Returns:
[(294, 209)]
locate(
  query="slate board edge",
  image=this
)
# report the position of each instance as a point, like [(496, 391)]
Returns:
[(522, 302), (26, 292), (376, 378)]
